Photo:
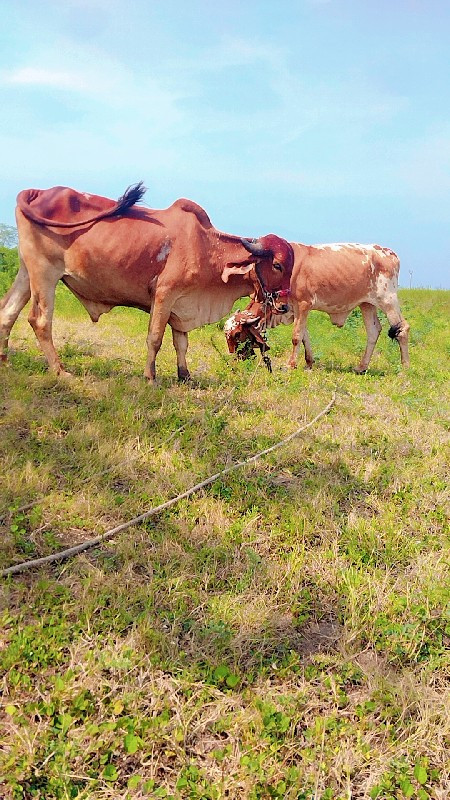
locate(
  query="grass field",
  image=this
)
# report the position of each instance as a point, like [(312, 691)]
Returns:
[(282, 634)]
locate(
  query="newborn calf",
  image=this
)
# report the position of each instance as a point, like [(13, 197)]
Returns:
[(246, 330)]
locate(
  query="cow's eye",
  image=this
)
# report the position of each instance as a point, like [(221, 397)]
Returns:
[(277, 266)]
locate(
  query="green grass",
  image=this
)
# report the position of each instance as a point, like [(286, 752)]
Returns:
[(284, 633)]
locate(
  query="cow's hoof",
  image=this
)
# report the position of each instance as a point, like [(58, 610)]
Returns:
[(360, 370), (291, 365), (62, 373), (183, 375)]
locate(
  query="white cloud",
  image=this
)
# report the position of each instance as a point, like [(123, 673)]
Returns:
[(36, 76), (121, 96)]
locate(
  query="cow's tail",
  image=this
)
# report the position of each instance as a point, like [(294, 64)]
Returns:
[(394, 331), (130, 197), (396, 327)]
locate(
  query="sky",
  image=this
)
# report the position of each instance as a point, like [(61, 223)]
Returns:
[(318, 120)]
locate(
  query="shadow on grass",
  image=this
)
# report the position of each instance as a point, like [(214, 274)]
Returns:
[(328, 366), (83, 362)]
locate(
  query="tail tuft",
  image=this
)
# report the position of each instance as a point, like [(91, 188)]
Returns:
[(130, 196), (394, 331)]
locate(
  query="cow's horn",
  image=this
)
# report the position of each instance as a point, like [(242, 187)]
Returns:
[(255, 247)]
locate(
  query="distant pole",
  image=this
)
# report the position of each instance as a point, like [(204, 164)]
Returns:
[(410, 278)]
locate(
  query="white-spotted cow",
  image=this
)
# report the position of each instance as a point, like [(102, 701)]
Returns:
[(336, 278)]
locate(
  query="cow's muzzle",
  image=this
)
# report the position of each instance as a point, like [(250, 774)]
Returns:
[(273, 300)]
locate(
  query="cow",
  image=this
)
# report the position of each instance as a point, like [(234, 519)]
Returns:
[(171, 263), (336, 278)]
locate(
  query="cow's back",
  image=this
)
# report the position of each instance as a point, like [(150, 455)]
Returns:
[(60, 204), (338, 277)]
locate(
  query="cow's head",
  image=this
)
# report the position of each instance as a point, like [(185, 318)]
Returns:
[(269, 265)]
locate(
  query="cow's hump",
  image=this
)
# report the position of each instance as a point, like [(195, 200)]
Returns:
[(194, 208)]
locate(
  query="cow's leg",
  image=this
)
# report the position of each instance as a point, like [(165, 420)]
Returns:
[(10, 307), (298, 332), (41, 319), (309, 358), (180, 343), (399, 327), (373, 328), (157, 325)]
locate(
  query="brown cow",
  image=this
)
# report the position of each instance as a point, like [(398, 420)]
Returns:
[(172, 263), (336, 278)]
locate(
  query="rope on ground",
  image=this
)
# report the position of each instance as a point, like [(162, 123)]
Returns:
[(71, 551)]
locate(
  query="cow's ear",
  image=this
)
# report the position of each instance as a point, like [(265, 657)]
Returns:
[(236, 269)]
